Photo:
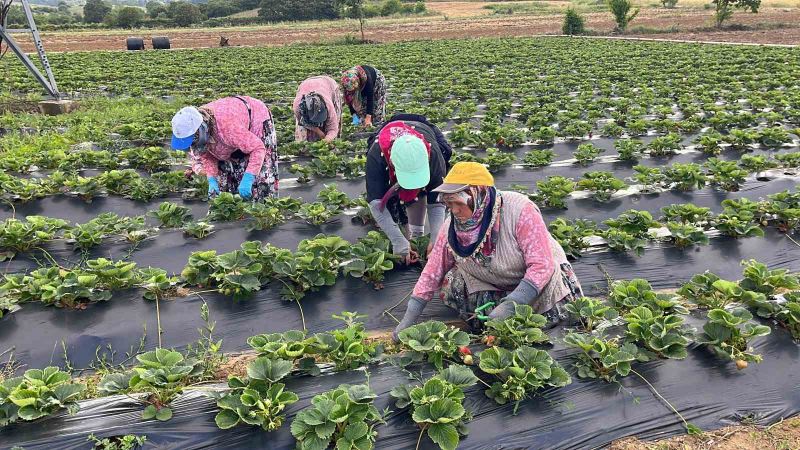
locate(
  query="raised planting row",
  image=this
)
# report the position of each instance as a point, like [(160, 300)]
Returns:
[(634, 324), (317, 261)]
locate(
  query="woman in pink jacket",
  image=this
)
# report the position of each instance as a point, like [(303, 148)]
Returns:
[(317, 110), (233, 143)]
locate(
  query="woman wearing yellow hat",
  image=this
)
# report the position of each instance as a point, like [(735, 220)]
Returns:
[(493, 252)]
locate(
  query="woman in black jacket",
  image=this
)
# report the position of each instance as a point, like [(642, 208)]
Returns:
[(365, 94)]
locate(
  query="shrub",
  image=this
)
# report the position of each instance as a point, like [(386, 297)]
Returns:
[(573, 23), (621, 9)]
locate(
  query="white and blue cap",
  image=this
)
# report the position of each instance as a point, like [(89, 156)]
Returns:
[(185, 124)]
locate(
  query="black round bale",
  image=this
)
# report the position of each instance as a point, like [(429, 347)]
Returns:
[(134, 43), (161, 43)]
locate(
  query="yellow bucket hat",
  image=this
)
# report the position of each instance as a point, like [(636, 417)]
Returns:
[(463, 175)]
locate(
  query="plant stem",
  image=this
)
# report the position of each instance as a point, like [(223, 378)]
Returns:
[(158, 321), (656, 393), (302, 316), (419, 439), (386, 311)]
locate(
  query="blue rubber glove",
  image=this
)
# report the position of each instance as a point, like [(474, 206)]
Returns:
[(356, 120), (246, 186), (213, 186)]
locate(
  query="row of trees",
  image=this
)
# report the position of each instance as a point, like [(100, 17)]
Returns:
[(624, 13)]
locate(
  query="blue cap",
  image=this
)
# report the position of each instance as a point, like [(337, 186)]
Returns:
[(182, 143)]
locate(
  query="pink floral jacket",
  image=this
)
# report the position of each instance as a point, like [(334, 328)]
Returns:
[(232, 133), (533, 239)]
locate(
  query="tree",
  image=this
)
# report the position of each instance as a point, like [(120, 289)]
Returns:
[(184, 13), (620, 10), (94, 11), (290, 10), (669, 4), (220, 8), (354, 9), (573, 23), (724, 8), (155, 9), (129, 17)]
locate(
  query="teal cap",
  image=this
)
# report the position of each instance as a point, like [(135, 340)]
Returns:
[(410, 160)]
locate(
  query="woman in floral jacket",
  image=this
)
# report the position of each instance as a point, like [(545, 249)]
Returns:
[(493, 251), (233, 143), (365, 94)]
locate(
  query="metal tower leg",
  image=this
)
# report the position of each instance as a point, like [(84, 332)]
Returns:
[(48, 83)]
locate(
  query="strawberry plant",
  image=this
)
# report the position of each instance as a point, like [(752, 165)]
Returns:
[(317, 213), (326, 165), (685, 177), (589, 312), (348, 347), (372, 257), (788, 314), (651, 179), (729, 332), (84, 188), (686, 213), (160, 377), (602, 184), (538, 158), (119, 182), (624, 242), (725, 174), (788, 160), (759, 278), (571, 235), (663, 335), (664, 145), (291, 346), (331, 196), (462, 135), (708, 290), (258, 399), (633, 222), (126, 442), (303, 173), (264, 216), (344, 417), (686, 235), (628, 149), (710, 143), (585, 154), (756, 163), (626, 295), (773, 137), (199, 229), (544, 135), (432, 341), (553, 191), (741, 139), (437, 405), (112, 275), (172, 215), (18, 236), (354, 167), (157, 284), (38, 393), (149, 159), (602, 358), (226, 207), (496, 159), (237, 274), (521, 373), (737, 226), (524, 327), (200, 267)]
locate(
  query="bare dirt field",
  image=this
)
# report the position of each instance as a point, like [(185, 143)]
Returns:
[(686, 22), (781, 436)]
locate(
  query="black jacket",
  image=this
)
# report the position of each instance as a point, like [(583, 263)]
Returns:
[(378, 169)]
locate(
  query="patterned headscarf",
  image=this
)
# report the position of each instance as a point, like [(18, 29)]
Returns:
[(483, 200), (353, 80)]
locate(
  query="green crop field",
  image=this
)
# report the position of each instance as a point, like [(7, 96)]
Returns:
[(597, 132)]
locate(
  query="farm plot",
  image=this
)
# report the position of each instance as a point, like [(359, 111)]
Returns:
[(657, 166)]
